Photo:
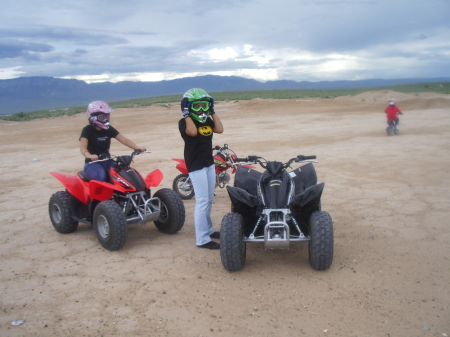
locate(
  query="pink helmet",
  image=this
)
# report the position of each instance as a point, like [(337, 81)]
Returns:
[(98, 114)]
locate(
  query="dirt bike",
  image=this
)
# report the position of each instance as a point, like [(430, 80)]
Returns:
[(224, 159), (276, 207), (110, 206), (392, 126)]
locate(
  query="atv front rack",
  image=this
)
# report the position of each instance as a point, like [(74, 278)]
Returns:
[(276, 232), (145, 210)]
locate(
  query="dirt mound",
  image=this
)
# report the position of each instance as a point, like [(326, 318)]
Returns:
[(381, 96), (425, 104)]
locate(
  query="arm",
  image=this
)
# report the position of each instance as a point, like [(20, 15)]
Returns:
[(84, 151), (125, 141), (218, 127), (191, 129)]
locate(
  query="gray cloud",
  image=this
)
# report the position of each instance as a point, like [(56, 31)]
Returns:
[(296, 40), (14, 48)]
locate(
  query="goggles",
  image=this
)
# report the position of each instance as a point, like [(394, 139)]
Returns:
[(200, 105), (101, 118)]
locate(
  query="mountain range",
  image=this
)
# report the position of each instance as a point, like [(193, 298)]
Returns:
[(26, 94)]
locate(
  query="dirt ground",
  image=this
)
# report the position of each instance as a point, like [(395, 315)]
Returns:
[(389, 198)]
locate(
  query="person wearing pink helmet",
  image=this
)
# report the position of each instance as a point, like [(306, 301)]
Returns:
[(95, 140)]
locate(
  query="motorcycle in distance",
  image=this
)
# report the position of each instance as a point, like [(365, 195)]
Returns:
[(276, 207), (392, 126), (224, 159), (110, 206)]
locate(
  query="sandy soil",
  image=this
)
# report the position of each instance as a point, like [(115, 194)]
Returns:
[(389, 198)]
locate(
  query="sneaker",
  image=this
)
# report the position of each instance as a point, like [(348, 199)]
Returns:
[(210, 245), (215, 235)]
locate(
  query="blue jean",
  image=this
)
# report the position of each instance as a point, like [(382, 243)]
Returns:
[(98, 171), (204, 182)]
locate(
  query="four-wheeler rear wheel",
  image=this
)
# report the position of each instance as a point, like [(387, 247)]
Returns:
[(172, 213), (110, 225), (183, 186), (232, 244), (321, 243), (61, 213)]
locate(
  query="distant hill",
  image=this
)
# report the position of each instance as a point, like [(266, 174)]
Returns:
[(25, 94)]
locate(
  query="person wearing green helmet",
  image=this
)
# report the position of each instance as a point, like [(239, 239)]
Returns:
[(197, 126)]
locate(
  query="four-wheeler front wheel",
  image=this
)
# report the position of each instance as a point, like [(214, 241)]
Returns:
[(172, 213), (232, 244), (182, 184), (322, 241), (61, 213), (110, 225)]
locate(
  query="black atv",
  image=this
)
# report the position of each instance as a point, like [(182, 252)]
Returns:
[(276, 207)]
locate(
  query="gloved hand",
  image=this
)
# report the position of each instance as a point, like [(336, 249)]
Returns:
[(211, 109), (185, 112), (185, 105)]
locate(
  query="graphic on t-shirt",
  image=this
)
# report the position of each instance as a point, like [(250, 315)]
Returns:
[(205, 130)]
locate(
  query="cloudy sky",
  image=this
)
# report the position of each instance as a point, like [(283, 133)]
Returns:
[(300, 40)]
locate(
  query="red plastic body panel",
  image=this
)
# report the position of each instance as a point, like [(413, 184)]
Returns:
[(220, 163), (96, 190), (120, 183), (100, 190), (74, 185), (154, 178), (181, 166)]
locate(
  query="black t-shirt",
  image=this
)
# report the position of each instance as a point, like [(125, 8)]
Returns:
[(99, 141), (198, 149)]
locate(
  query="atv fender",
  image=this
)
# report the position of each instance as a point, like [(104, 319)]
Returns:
[(74, 185), (311, 193), (154, 178), (240, 197), (100, 190)]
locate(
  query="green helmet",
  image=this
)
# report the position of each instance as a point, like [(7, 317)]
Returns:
[(199, 103)]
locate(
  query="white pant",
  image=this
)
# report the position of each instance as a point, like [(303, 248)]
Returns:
[(204, 182)]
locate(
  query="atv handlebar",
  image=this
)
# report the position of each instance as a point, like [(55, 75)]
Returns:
[(302, 158), (138, 151), (106, 156), (220, 148), (256, 160)]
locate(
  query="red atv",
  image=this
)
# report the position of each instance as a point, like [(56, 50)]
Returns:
[(224, 159), (110, 206)]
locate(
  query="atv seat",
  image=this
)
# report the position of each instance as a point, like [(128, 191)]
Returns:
[(83, 176)]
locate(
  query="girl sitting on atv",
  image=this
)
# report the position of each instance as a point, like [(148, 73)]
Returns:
[(95, 139)]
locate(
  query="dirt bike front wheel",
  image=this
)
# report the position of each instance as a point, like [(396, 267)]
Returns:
[(389, 130), (182, 184)]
